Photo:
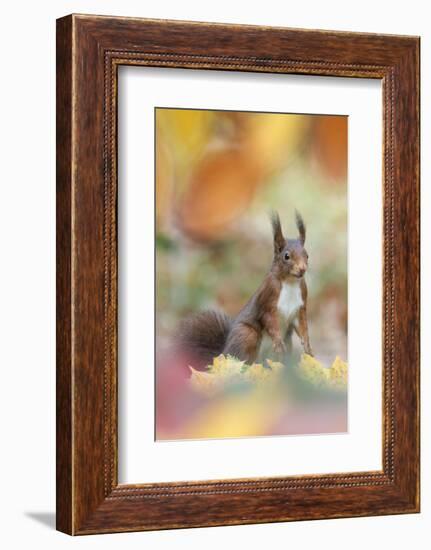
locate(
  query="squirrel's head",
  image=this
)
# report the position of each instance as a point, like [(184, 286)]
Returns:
[(290, 256)]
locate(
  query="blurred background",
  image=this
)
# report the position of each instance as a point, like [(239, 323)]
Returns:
[(218, 175)]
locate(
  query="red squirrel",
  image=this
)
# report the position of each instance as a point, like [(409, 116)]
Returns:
[(277, 308)]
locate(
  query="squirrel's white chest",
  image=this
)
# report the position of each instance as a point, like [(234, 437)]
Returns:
[(290, 300)]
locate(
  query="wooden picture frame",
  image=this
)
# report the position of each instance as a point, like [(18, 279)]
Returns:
[(89, 51)]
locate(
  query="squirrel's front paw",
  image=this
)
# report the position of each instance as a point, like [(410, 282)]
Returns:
[(308, 351), (279, 347)]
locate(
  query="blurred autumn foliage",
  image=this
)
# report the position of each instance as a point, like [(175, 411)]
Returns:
[(215, 161), (233, 399), (227, 370), (218, 174)]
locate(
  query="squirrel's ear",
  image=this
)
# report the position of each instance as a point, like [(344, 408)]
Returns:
[(301, 226), (279, 240)]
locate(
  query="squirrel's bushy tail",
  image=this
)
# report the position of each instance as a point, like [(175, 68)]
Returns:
[(203, 336)]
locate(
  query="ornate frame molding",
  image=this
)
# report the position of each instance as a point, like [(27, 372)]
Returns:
[(90, 49)]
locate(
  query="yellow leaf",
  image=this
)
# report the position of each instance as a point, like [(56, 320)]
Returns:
[(318, 375), (313, 371), (257, 373), (338, 373), (226, 370), (225, 366)]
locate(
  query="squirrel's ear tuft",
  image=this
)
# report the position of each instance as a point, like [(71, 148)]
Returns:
[(301, 226), (279, 240)]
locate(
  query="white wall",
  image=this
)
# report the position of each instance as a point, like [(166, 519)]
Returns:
[(27, 237)]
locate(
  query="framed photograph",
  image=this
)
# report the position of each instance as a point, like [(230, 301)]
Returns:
[(237, 274)]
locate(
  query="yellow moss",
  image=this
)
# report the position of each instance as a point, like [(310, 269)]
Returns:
[(318, 375), (313, 371), (225, 366), (257, 373), (338, 373), (226, 370)]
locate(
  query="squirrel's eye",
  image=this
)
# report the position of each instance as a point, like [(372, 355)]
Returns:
[(287, 256)]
